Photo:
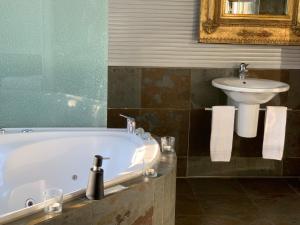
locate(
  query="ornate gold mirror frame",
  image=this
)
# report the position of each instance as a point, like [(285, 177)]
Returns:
[(218, 27)]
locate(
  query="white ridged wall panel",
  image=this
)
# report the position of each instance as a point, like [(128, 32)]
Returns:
[(163, 33)]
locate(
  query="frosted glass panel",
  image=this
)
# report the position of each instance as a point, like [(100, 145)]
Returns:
[(53, 63)]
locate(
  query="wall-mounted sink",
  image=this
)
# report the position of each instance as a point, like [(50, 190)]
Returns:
[(247, 94), (250, 90)]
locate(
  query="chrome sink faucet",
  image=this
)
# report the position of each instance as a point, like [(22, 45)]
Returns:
[(130, 124), (243, 71), (2, 131)]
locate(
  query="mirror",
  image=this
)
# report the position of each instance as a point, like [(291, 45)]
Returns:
[(274, 22), (256, 7)]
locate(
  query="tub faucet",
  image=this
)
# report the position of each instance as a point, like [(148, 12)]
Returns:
[(27, 131), (243, 71), (2, 131), (130, 124)]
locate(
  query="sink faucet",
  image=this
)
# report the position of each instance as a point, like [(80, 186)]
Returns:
[(2, 131), (243, 71), (130, 124)]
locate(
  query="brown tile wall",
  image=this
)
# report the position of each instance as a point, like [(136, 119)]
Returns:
[(170, 101)]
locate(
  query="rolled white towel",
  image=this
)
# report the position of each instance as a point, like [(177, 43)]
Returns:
[(274, 134), (222, 133)]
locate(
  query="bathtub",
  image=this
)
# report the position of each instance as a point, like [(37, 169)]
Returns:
[(61, 158)]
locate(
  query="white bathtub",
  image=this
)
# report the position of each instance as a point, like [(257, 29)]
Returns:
[(45, 158)]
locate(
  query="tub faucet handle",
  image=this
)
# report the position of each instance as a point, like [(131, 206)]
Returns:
[(130, 124)]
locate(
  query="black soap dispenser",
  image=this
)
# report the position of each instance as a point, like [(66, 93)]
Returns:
[(95, 187)]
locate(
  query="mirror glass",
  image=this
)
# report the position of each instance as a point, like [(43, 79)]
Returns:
[(256, 7)]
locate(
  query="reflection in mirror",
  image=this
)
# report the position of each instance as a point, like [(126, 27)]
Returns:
[(256, 7), (273, 7), (242, 7)]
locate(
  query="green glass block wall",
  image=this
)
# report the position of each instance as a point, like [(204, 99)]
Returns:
[(53, 63)]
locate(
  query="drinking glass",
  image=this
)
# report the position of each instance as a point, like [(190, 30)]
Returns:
[(150, 172), (168, 144), (53, 199)]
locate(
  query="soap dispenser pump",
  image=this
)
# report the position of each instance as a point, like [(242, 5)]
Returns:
[(95, 188)]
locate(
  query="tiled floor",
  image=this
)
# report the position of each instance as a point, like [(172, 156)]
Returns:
[(238, 201)]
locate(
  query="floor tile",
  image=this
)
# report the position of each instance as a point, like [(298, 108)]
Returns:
[(294, 184), (238, 202), (186, 205), (288, 219), (278, 204), (183, 187), (215, 186), (238, 206), (210, 220), (261, 187)]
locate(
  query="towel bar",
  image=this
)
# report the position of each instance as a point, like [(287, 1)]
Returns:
[(261, 109)]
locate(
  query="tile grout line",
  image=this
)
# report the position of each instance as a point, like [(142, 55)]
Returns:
[(188, 145), (293, 189), (249, 197), (282, 165), (189, 125), (141, 86), (141, 71)]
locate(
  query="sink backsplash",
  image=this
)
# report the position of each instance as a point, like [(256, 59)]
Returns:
[(171, 101)]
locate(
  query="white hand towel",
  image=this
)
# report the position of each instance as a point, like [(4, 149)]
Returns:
[(274, 135), (221, 133)]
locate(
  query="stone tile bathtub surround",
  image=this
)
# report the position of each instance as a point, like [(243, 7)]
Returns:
[(150, 202), (171, 101)]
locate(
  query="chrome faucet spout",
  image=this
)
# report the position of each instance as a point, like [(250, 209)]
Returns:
[(243, 71), (131, 124), (2, 131)]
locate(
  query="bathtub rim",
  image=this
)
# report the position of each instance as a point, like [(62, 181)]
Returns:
[(18, 214), (13, 130)]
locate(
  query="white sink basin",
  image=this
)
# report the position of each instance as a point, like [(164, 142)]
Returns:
[(247, 94), (250, 90)]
